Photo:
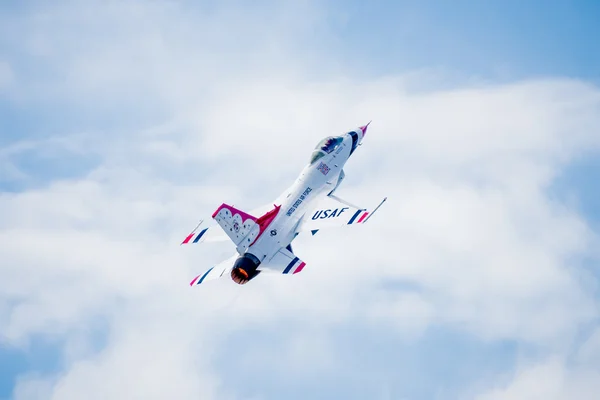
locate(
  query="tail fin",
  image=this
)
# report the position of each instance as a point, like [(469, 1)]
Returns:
[(242, 228)]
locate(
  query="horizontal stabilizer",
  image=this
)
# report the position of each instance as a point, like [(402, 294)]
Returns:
[(222, 269), (283, 262)]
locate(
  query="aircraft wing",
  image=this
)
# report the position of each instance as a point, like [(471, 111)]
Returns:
[(205, 234), (334, 212)]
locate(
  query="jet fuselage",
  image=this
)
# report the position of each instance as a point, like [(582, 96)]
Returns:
[(318, 179)]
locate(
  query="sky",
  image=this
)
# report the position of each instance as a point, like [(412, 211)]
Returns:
[(124, 123)]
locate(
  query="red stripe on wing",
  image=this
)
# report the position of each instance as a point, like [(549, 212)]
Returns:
[(187, 239), (363, 217), (300, 267)]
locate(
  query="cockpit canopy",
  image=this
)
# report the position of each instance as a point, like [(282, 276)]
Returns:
[(325, 146)]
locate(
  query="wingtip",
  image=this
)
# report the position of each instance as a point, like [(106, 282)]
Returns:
[(187, 239), (375, 210), (191, 234)]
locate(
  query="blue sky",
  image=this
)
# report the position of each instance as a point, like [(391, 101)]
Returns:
[(493, 40), (108, 131)]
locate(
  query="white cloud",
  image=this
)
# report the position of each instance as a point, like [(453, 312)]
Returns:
[(553, 380), (469, 225)]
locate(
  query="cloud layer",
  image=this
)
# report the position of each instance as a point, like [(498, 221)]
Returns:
[(148, 116)]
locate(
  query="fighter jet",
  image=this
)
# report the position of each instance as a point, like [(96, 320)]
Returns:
[(263, 243)]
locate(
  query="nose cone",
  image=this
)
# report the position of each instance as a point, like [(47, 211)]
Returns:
[(364, 129)]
